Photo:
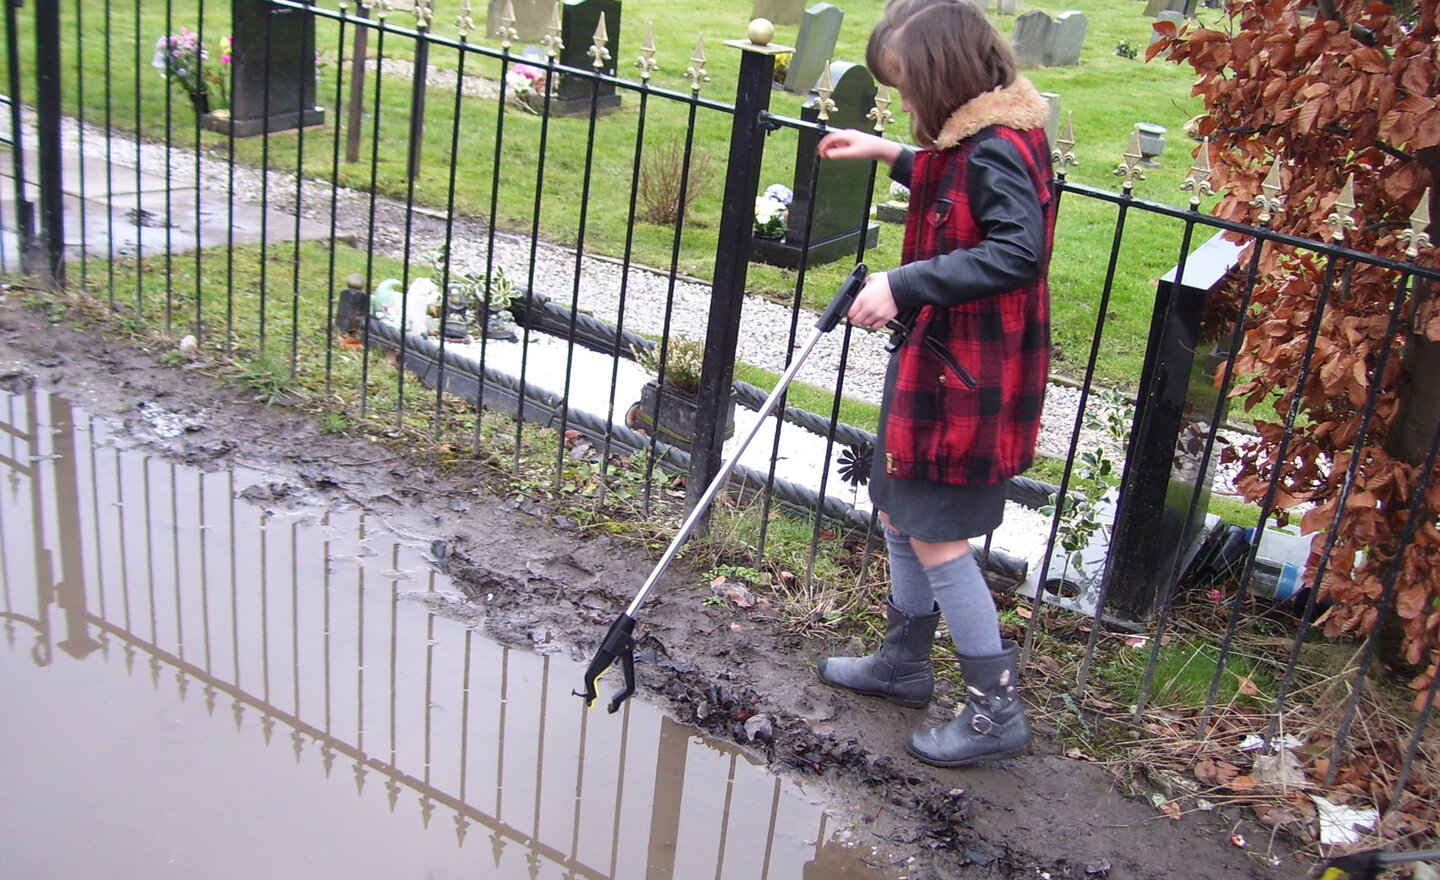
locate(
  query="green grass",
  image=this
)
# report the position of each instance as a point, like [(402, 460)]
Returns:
[(1184, 670), (110, 79)]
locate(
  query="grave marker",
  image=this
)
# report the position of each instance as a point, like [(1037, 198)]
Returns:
[(1034, 35), (840, 189), (272, 85), (532, 17), (778, 11), (819, 30), (1069, 39)]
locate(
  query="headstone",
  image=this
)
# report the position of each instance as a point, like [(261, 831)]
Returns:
[(778, 11), (1167, 15), (1069, 39), (1034, 37), (1155, 7), (1004, 7), (532, 18), (579, 19), (1179, 407), (840, 190), (814, 48), (272, 86)]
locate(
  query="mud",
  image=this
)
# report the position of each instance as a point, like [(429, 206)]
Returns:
[(534, 582)]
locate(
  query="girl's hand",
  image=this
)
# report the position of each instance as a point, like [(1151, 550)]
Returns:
[(852, 144), (874, 305)]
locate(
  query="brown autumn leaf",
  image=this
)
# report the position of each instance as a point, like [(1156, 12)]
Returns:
[(1215, 773)]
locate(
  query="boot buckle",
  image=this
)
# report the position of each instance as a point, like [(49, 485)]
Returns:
[(982, 724)]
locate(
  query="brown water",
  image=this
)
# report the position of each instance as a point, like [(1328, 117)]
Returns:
[(195, 686)]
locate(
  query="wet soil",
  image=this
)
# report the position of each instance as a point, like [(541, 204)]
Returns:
[(534, 582)]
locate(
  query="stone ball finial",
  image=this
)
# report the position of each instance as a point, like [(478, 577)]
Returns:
[(761, 31)]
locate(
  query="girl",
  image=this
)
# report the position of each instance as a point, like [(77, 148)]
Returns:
[(963, 393)]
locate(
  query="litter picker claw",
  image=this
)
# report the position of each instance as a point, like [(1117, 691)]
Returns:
[(619, 641)]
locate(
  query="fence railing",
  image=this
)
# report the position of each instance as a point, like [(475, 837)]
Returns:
[(482, 180)]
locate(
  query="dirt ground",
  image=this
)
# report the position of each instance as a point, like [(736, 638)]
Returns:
[(1041, 815)]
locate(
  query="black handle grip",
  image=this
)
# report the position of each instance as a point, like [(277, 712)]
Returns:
[(844, 298), (900, 327), (619, 642)]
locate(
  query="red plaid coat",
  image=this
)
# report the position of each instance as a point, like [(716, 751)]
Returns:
[(965, 406)]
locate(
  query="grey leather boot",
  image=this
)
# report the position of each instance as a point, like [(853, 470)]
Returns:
[(991, 725), (900, 670)]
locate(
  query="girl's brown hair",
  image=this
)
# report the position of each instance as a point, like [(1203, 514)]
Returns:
[(942, 54)]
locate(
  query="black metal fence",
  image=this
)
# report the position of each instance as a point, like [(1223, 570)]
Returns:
[(355, 193)]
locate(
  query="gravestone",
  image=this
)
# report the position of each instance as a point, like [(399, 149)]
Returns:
[(1185, 7), (272, 84), (1069, 39), (1170, 15), (1034, 37), (532, 18), (778, 11), (1178, 408), (840, 189), (579, 20), (1004, 7), (814, 48)]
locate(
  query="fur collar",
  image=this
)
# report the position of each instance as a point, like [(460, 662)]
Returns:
[(1018, 106)]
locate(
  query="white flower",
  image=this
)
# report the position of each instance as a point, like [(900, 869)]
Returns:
[(780, 193)]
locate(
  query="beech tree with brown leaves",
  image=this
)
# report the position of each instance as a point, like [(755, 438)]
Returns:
[(1340, 91)]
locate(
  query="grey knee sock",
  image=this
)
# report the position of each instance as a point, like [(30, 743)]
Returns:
[(909, 587), (965, 600)]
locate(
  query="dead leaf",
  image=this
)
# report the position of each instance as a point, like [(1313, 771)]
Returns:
[(1171, 810)]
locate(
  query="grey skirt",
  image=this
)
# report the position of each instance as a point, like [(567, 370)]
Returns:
[(933, 512)]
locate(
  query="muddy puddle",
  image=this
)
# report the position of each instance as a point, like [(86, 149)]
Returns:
[(206, 678)]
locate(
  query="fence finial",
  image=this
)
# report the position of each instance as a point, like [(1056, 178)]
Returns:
[(1197, 180), (383, 8), (1130, 168), (552, 41), (824, 89), (646, 62), (696, 72), (880, 114), (506, 31), (1344, 206), (597, 48), (424, 15), (1064, 152), (1268, 201), (1416, 237)]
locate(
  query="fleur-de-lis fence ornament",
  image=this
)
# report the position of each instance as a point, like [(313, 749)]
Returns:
[(597, 50), (1197, 180), (646, 62), (382, 8), (824, 106), (506, 32), (1064, 153), (1344, 206), (552, 42), (1416, 237), (465, 21), (880, 114), (1269, 199), (696, 72), (424, 15), (1130, 168)]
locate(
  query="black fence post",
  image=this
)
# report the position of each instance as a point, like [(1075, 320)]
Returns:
[(732, 258), (47, 124)]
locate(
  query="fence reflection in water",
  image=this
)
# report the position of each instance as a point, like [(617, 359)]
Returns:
[(314, 629)]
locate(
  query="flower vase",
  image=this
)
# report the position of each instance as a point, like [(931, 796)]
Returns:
[(677, 411), (200, 100)]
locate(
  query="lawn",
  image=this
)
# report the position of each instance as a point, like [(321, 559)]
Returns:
[(589, 202)]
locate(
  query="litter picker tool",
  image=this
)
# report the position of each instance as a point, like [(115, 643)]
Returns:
[(619, 642)]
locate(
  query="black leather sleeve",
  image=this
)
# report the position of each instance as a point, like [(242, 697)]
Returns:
[(1004, 204), (904, 164)]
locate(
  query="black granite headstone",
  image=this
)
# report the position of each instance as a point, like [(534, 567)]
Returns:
[(839, 192), (272, 85), (1177, 405), (579, 19)]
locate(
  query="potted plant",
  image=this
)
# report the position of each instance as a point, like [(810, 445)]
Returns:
[(669, 409)]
